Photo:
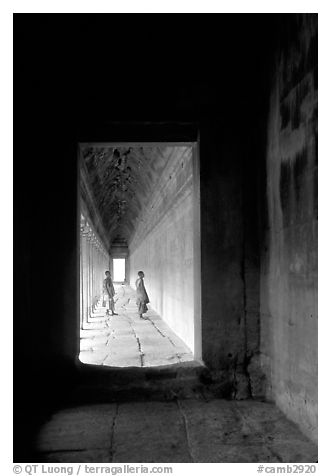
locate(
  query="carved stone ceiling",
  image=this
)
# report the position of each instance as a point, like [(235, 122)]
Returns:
[(121, 181)]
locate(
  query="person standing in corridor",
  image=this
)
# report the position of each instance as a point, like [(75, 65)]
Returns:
[(142, 297), (108, 294)]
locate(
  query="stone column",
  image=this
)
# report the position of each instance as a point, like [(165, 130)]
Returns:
[(94, 261), (80, 283), (127, 270), (89, 273), (85, 278), (85, 232), (92, 272), (95, 272), (101, 268)]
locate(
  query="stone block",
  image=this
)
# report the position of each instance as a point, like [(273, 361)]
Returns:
[(80, 428)]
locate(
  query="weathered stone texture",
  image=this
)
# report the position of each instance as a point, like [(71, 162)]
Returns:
[(162, 246), (180, 431), (116, 184), (289, 252), (222, 255), (125, 340)]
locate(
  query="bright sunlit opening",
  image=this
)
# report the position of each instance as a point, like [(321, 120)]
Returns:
[(119, 269)]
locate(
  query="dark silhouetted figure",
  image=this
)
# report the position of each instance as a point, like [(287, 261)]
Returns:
[(108, 294), (142, 297)]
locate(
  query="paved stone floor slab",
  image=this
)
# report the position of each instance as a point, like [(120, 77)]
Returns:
[(180, 431), (247, 425), (79, 428), (126, 340), (154, 432)]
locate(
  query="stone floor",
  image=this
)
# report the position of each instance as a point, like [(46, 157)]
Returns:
[(184, 427), (180, 431), (126, 340)]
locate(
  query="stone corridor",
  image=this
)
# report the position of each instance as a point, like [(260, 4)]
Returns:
[(126, 340), (194, 158), (185, 423), (178, 431)]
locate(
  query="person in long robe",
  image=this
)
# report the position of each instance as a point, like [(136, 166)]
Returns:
[(108, 294), (142, 297)]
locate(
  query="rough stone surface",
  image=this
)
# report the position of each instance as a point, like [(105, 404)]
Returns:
[(222, 287), (182, 431), (289, 252), (162, 246), (153, 431), (117, 183), (78, 429), (126, 340)]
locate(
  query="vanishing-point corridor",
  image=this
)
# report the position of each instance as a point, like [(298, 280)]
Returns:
[(198, 166), (139, 204)]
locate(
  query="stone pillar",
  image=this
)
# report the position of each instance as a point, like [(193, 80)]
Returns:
[(85, 235), (96, 284), (94, 261), (80, 283), (127, 270), (84, 309), (89, 267), (111, 267), (93, 274)]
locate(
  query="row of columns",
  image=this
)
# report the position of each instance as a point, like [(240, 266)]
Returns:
[(94, 261)]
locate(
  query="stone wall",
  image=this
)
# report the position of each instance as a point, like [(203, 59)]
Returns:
[(289, 251), (163, 246), (222, 258)]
